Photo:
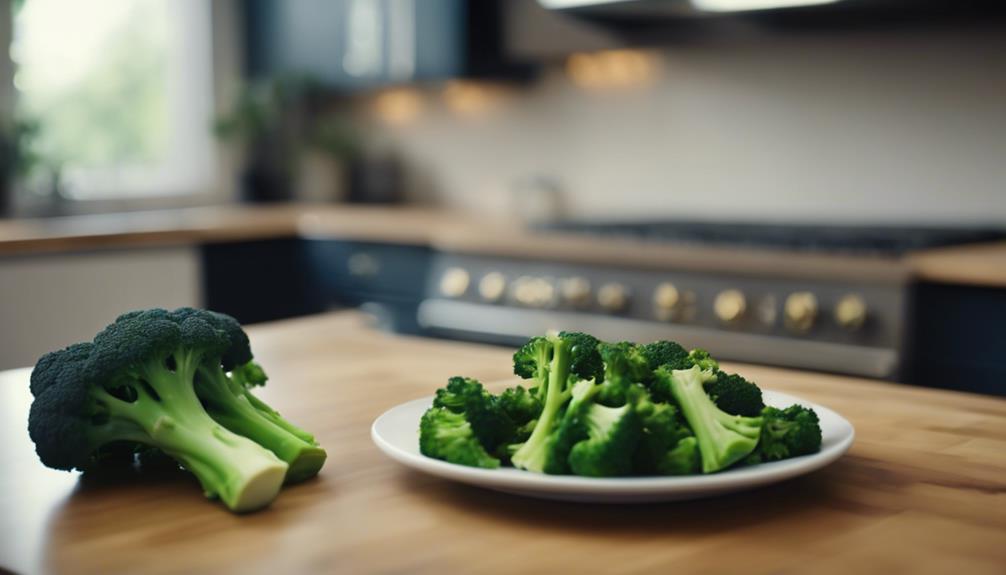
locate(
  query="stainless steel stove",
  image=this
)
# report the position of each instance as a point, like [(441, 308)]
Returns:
[(823, 297)]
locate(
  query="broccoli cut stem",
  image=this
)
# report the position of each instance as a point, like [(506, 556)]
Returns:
[(167, 414)]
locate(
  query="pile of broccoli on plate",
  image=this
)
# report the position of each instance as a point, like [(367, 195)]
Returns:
[(614, 409), (169, 383)]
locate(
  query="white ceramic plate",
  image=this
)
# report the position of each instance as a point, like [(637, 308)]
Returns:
[(396, 433)]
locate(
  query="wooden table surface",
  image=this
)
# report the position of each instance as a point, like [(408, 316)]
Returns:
[(923, 490)]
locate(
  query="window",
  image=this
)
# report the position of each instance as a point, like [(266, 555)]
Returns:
[(122, 91)]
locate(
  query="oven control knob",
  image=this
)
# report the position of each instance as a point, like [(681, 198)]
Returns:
[(613, 297), (576, 291), (730, 305), (491, 287), (800, 311), (533, 292), (666, 301), (454, 282), (850, 312)]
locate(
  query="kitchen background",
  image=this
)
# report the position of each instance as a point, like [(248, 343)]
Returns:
[(218, 153)]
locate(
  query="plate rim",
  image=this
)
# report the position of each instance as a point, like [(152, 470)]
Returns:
[(516, 480)]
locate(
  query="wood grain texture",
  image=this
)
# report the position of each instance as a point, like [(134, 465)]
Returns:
[(923, 489), (977, 265)]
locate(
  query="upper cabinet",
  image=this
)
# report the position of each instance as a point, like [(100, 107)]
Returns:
[(349, 44)]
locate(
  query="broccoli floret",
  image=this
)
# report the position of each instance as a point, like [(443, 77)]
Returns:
[(611, 435), (135, 383), (684, 459), (446, 435), (572, 356), (625, 365), (519, 405), (676, 358), (723, 439), (467, 397), (666, 353), (664, 441), (531, 361), (735, 395), (786, 433)]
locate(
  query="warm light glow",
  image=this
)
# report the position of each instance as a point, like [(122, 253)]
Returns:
[(742, 5), (470, 98), (611, 69), (398, 106)]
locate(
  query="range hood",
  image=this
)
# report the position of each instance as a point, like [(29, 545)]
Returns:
[(643, 11), (675, 8)]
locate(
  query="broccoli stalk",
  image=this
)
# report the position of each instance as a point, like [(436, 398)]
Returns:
[(534, 454), (229, 403), (723, 439)]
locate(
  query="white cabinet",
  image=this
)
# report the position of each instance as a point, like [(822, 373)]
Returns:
[(48, 301)]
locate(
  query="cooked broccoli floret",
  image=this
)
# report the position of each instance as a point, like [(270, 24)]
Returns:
[(573, 356), (611, 436), (467, 397), (735, 395), (135, 383), (666, 353), (664, 442), (625, 365), (723, 439), (446, 435), (519, 405), (786, 433)]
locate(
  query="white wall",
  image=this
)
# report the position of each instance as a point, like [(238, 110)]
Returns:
[(846, 126)]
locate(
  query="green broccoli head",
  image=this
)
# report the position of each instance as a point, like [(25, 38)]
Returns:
[(735, 395), (135, 384), (446, 435), (520, 405), (723, 439), (786, 433)]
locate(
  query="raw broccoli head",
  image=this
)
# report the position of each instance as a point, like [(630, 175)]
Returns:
[(446, 435), (158, 378), (519, 405), (786, 433), (735, 395)]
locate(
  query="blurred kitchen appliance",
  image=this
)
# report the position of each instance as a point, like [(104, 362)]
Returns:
[(831, 298)]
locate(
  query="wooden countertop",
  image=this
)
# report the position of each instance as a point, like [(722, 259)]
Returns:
[(978, 265), (922, 490), (219, 224)]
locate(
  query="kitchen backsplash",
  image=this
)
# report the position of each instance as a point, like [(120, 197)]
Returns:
[(852, 126)]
